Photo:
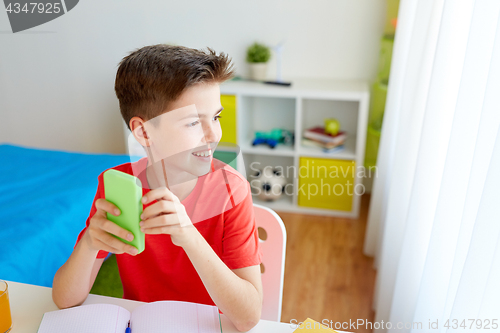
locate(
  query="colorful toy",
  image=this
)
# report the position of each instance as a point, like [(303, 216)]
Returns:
[(269, 183), (332, 126), (273, 137)]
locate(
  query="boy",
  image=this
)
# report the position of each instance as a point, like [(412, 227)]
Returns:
[(201, 240)]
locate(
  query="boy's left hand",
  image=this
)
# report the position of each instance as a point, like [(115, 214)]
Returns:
[(167, 216)]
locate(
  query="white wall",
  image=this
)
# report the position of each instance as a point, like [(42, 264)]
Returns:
[(57, 79)]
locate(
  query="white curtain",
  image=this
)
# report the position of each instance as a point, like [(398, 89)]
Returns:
[(434, 220)]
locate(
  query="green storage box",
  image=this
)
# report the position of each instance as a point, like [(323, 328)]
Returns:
[(385, 58), (375, 119), (227, 157), (372, 143), (377, 105), (391, 15)]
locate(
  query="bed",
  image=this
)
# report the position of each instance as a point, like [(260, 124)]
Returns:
[(45, 200)]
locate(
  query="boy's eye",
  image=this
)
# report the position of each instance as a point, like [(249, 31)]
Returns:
[(194, 123)]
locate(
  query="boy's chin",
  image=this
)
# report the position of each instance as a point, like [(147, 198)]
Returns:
[(200, 168), (198, 172)]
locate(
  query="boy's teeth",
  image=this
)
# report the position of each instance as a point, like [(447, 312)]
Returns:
[(203, 154)]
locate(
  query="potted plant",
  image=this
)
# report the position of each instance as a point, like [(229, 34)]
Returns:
[(257, 57)]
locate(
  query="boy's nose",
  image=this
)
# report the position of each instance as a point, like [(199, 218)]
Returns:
[(209, 134)]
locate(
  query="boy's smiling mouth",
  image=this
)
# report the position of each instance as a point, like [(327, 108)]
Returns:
[(203, 153)]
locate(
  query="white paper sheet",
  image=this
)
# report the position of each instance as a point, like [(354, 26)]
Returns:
[(95, 318), (175, 317)]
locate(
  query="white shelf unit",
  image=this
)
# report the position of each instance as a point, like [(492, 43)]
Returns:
[(305, 104)]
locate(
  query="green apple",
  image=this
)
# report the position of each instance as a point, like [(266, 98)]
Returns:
[(332, 126)]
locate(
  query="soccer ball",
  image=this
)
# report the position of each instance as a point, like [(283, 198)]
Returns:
[(268, 184)]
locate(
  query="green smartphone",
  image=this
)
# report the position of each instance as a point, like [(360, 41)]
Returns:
[(125, 192)]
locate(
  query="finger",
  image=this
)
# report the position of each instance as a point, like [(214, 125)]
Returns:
[(159, 193), (162, 206), (105, 247), (168, 229), (120, 246), (159, 221), (104, 206), (115, 229)]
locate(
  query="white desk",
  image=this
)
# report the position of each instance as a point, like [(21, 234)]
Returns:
[(28, 303)]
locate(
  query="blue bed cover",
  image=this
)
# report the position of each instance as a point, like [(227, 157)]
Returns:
[(45, 199)]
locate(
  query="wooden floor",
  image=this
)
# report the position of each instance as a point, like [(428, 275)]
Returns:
[(327, 276)]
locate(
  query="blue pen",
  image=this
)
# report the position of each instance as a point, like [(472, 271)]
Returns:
[(128, 329)]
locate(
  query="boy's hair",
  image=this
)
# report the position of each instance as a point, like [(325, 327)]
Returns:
[(150, 78)]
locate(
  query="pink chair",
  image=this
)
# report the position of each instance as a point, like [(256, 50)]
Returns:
[(272, 236)]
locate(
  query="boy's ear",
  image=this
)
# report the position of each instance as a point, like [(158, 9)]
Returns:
[(139, 131)]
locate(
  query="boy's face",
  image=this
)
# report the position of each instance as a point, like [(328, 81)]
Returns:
[(186, 136)]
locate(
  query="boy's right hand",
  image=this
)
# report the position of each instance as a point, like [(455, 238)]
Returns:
[(98, 232)]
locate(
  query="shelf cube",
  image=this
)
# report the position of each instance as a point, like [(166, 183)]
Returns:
[(228, 119), (326, 183)]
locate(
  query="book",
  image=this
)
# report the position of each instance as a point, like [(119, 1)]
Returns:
[(318, 133), (315, 143), (155, 317), (334, 149)]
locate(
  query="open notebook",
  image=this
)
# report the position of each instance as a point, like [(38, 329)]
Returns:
[(155, 317)]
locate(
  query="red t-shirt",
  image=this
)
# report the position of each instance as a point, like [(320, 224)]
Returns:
[(220, 207)]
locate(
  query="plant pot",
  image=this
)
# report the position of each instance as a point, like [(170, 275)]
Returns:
[(258, 71)]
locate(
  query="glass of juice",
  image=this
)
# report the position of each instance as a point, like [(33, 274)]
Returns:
[(5, 316)]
